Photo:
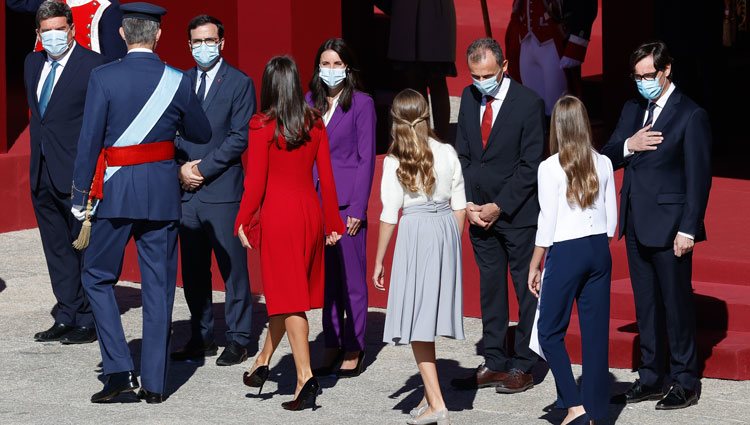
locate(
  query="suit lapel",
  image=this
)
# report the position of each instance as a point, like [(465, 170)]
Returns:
[(34, 83), (474, 127), (338, 115), (69, 73), (505, 109), (670, 109), (216, 85)]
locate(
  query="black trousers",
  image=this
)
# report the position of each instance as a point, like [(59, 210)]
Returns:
[(495, 250), (58, 229), (663, 293)]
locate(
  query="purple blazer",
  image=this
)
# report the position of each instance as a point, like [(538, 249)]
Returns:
[(351, 137)]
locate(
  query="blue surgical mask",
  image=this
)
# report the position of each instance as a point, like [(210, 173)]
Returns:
[(489, 86), (55, 42), (205, 56), (651, 90), (332, 77)]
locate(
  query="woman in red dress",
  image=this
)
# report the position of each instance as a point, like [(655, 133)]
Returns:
[(280, 214)]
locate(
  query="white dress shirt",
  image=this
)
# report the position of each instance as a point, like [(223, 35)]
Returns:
[(48, 67), (210, 77), (558, 219), (449, 183), (497, 103), (331, 110)]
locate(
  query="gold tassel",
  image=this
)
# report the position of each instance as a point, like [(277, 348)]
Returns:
[(85, 235)]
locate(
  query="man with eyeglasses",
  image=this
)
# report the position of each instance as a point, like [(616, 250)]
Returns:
[(212, 180), (663, 142)]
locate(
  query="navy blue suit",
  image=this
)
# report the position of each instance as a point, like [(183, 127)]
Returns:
[(664, 191), (140, 201), (208, 213), (56, 133)]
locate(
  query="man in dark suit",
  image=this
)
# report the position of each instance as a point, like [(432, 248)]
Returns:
[(97, 21), (56, 81), (664, 143), (212, 177), (134, 108), (499, 141)]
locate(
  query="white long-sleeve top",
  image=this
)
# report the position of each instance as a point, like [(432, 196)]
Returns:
[(449, 183), (559, 220)]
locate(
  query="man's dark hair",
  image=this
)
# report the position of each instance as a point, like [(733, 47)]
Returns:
[(477, 48), (351, 82), (656, 48), (53, 9), (201, 20)]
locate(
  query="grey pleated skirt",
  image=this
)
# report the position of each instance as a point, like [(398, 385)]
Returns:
[(425, 298)]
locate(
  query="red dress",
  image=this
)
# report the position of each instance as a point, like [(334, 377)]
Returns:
[(281, 211)]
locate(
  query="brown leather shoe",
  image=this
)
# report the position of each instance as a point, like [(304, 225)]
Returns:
[(482, 378), (515, 382)]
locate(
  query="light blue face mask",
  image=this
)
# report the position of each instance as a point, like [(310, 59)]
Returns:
[(332, 77), (651, 90), (205, 56), (489, 86), (55, 42)]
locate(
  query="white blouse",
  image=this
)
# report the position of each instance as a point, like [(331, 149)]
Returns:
[(449, 183), (558, 220)]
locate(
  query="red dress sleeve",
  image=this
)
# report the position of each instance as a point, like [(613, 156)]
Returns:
[(255, 180), (331, 217)]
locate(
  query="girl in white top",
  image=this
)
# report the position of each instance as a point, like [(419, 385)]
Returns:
[(423, 177), (576, 222)]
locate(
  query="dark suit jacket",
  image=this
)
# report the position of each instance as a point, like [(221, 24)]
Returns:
[(666, 189), (61, 125), (229, 104), (421, 30), (504, 173)]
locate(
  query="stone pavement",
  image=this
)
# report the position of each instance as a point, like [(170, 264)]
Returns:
[(50, 383)]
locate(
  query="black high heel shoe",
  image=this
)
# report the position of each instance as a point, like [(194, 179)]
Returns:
[(305, 398), (329, 369), (351, 373), (257, 378)]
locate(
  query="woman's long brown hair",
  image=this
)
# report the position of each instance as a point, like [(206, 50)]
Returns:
[(570, 135), (410, 133)]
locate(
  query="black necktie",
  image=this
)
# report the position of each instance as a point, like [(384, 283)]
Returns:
[(202, 87), (650, 114)]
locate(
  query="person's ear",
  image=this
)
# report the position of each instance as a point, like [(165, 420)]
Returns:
[(122, 34), (668, 71), (504, 67), (72, 33), (221, 44)]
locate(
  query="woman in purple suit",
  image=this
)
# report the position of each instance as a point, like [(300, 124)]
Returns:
[(349, 116)]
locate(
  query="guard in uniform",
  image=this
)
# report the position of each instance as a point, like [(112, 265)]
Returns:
[(97, 24), (134, 108)]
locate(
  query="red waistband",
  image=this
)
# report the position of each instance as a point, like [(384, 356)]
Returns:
[(128, 155)]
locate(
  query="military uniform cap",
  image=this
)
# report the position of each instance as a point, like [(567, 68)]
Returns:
[(142, 10)]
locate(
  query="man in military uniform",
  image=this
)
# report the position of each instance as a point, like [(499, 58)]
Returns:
[(134, 108)]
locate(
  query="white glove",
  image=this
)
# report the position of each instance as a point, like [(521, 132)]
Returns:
[(78, 214), (566, 62)]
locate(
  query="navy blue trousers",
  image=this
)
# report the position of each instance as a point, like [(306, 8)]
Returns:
[(58, 229), (578, 270), (205, 228), (156, 242)]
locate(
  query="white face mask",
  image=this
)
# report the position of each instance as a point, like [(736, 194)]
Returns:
[(205, 55), (332, 77), (489, 86), (55, 42)]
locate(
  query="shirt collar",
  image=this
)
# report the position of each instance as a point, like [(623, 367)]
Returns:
[(502, 92), (663, 100), (64, 59), (211, 73), (140, 50)]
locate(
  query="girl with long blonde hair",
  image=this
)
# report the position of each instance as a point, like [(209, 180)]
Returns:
[(422, 177), (577, 219)]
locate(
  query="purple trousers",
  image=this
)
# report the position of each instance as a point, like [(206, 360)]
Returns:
[(345, 308)]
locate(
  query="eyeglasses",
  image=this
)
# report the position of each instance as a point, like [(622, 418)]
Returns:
[(651, 76), (210, 42)]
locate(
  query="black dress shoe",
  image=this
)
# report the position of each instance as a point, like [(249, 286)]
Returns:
[(117, 383), (257, 378), (57, 331), (351, 373), (194, 351), (330, 368), (677, 398), (637, 393), (79, 335), (151, 398), (305, 398), (233, 354)]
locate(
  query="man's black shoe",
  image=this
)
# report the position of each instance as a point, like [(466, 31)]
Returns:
[(57, 331), (116, 383), (233, 354), (151, 398), (638, 392), (79, 335), (193, 351), (677, 398)]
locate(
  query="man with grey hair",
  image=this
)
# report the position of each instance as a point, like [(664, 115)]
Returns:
[(499, 141), (56, 80), (134, 109)]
